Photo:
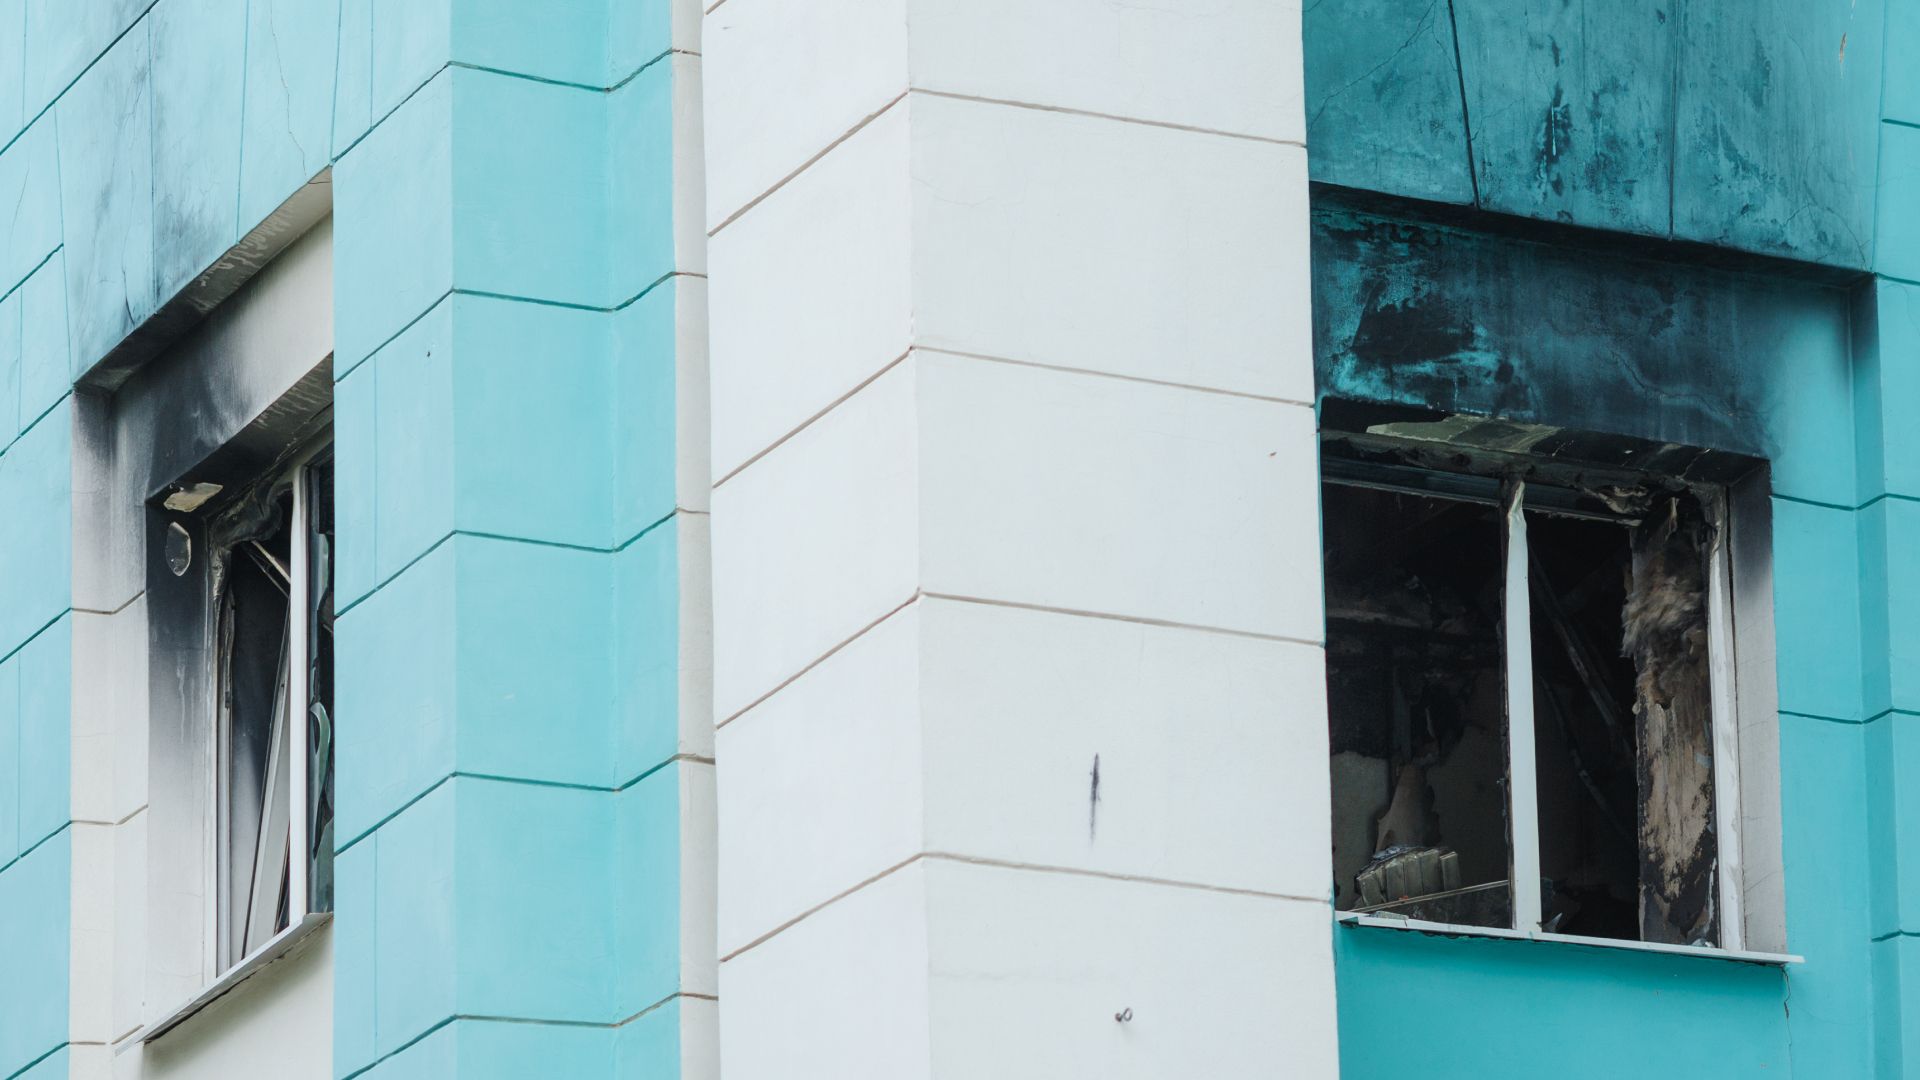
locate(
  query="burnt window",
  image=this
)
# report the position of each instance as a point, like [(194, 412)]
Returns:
[(271, 586), (1531, 700)]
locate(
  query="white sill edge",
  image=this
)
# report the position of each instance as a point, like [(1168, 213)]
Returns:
[(276, 947), (1735, 955)]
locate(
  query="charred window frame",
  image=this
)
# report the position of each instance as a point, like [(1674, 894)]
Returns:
[(269, 595), (1581, 778)]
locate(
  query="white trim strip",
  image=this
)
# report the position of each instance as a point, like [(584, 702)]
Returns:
[(1729, 874), (276, 947)]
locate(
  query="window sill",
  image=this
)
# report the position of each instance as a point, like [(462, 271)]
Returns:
[(276, 948), (1740, 956)]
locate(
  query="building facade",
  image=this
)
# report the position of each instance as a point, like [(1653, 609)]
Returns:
[(910, 538)]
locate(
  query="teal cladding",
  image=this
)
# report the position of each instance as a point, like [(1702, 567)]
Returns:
[(511, 777)]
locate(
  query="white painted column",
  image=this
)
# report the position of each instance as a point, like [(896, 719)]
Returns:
[(1020, 697)]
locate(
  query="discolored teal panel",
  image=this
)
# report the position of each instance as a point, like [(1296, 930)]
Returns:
[(533, 420), (63, 37), (530, 189), (35, 924), (1384, 109), (1501, 1008), (106, 183), (45, 667), (288, 100), (198, 64), (30, 180), (1571, 108), (1824, 845), (393, 225), (1778, 128), (396, 677), (1816, 598)]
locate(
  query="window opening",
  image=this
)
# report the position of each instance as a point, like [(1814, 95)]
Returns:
[(1523, 686)]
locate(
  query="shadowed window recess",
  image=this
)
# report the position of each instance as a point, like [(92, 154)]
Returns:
[(1531, 700)]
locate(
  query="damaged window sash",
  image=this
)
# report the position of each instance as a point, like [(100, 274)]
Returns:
[(273, 786), (1620, 773)]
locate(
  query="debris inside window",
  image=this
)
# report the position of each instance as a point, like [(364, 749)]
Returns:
[(1622, 709)]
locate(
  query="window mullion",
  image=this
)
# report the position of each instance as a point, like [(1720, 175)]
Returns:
[(1523, 804), (298, 694)]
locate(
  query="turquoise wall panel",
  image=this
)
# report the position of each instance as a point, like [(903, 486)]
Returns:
[(639, 32), (292, 50), (393, 225), (416, 907), (106, 183), (46, 356), (1876, 676), (355, 953), (13, 67), (35, 921), (1903, 603), (36, 532), (395, 676), (199, 49), (355, 485), (648, 864), (1893, 805), (562, 40), (1896, 375), (10, 361), (534, 661), (10, 841), (642, 182), (1899, 220), (30, 180), (46, 740), (411, 42), (353, 80), (1900, 99), (1446, 1008), (414, 430), (64, 37), (490, 1050), (1571, 109), (652, 1044), (1384, 110), (1896, 977), (533, 405), (530, 189), (1816, 589), (643, 349), (1824, 842), (647, 664), (55, 1066)]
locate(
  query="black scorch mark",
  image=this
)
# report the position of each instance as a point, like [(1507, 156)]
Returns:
[(1093, 800)]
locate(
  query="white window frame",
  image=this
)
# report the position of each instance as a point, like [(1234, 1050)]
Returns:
[(296, 694), (1523, 787)]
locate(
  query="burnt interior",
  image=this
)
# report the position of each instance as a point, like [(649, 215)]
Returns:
[(1416, 691), (1416, 669)]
